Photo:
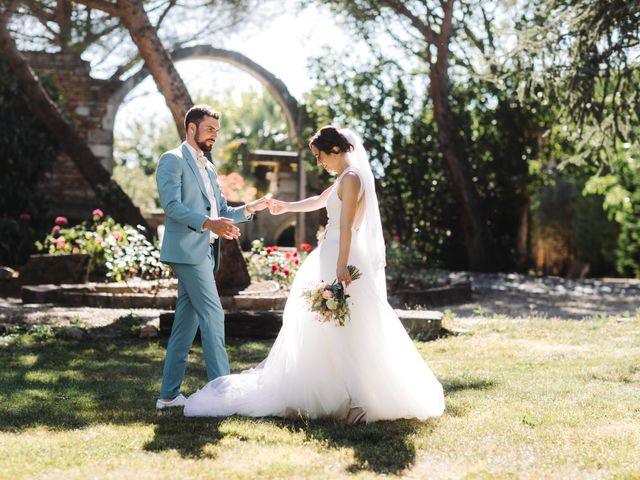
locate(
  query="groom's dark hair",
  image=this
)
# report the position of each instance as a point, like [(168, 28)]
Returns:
[(197, 113)]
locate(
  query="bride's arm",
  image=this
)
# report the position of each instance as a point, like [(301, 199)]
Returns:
[(277, 207), (350, 186)]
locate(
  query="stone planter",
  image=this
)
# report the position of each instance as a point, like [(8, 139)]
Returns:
[(44, 268)]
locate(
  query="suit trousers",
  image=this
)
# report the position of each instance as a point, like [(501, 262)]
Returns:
[(198, 305)]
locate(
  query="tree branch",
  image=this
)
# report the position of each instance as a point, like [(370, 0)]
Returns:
[(102, 5), (125, 67), (427, 32), (48, 112)]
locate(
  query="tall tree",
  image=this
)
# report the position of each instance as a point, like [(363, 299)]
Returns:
[(49, 113), (156, 58), (583, 55), (432, 25)]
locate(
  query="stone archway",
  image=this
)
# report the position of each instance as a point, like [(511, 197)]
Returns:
[(276, 87), (294, 114)]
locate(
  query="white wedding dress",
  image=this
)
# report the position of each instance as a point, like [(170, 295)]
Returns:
[(319, 369)]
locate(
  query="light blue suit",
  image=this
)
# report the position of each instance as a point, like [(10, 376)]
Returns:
[(187, 248)]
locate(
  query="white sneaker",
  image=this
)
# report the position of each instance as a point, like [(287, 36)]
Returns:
[(179, 401)]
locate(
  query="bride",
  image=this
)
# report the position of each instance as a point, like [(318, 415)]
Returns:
[(367, 370)]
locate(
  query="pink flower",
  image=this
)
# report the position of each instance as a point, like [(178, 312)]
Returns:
[(100, 228), (25, 217), (61, 221), (327, 294), (56, 229), (75, 250), (286, 272), (97, 214), (61, 245), (287, 255), (117, 235), (396, 238)]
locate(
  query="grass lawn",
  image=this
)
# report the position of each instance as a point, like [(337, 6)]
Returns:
[(526, 398)]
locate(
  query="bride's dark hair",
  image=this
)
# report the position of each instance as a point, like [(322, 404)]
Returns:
[(328, 138)]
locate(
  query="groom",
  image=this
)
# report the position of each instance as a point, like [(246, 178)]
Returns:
[(196, 216)]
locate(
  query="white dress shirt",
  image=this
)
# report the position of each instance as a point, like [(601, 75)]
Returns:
[(202, 161)]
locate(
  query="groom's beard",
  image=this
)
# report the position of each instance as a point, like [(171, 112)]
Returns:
[(204, 146)]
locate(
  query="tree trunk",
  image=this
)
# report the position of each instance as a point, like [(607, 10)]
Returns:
[(471, 215), (157, 60), (115, 200)]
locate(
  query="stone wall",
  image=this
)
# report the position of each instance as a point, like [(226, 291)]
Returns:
[(85, 100)]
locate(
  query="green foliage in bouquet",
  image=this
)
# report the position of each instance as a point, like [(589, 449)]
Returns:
[(118, 252)]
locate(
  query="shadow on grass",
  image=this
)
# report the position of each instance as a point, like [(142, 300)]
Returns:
[(457, 385), (70, 384), (381, 447), (188, 437)]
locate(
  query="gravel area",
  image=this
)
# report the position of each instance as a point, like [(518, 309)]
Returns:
[(518, 295)]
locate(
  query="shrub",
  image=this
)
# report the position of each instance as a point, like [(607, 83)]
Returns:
[(118, 252)]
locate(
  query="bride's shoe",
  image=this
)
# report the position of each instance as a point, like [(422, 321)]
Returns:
[(356, 415)]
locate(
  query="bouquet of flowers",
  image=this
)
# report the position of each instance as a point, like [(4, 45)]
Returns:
[(329, 302)]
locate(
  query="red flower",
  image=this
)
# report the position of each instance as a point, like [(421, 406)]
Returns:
[(296, 261), (268, 250), (61, 221), (275, 268), (25, 217), (97, 214), (305, 246), (295, 253), (273, 248), (117, 235), (286, 271), (56, 229)]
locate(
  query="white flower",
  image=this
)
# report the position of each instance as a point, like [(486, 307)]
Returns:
[(331, 304)]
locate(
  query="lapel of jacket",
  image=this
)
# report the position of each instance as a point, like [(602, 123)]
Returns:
[(194, 167)]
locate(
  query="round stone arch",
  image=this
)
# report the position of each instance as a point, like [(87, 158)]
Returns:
[(276, 87)]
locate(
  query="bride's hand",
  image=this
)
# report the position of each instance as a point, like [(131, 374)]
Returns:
[(343, 275), (276, 207)]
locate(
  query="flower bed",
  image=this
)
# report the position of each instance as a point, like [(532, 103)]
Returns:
[(118, 252), (279, 264)]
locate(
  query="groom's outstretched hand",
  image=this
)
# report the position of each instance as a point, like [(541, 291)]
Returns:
[(223, 227), (256, 205)]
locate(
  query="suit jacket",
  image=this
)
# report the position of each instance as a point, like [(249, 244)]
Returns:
[(186, 206)]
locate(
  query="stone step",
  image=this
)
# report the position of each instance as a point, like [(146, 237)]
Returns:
[(420, 324)]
